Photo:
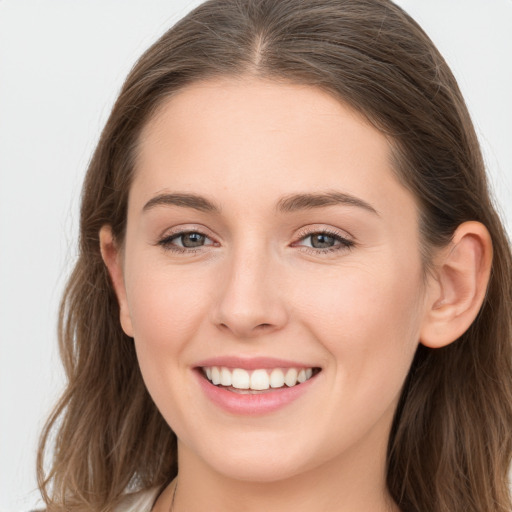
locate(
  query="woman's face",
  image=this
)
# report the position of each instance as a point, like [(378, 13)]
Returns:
[(266, 234)]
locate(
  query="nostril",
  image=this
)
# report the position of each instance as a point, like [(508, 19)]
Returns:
[(243, 331)]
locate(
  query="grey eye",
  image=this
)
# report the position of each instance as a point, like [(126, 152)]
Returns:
[(322, 241), (190, 240)]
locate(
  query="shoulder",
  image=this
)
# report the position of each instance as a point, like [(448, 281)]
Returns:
[(138, 502), (142, 501)]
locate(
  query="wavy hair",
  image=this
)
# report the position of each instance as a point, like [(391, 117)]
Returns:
[(451, 442)]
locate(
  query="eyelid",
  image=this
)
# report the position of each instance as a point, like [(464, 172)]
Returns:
[(164, 240), (186, 228), (345, 240), (322, 228)]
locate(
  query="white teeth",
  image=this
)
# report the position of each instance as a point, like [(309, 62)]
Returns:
[(260, 380), (225, 377), (290, 379), (215, 375), (277, 378), (240, 379), (257, 380)]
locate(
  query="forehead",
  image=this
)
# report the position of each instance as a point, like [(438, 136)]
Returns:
[(264, 138), (241, 110)]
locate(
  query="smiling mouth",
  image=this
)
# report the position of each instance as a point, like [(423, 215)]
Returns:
[(239, 380)]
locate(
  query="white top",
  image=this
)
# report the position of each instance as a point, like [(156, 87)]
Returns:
[(138, 502)]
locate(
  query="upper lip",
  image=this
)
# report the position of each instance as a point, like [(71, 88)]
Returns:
[(252, 363)]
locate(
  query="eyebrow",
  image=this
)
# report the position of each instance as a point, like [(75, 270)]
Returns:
[(287, 204), (297, 202), (184, 200)]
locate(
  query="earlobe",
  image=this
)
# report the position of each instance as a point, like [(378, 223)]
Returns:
[(111, 255), (455, 296)]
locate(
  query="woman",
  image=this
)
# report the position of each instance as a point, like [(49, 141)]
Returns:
[(293, 290)]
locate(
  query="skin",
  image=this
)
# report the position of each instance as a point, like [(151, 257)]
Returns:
[(258, 288)]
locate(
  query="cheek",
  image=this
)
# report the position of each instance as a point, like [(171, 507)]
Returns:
[(352, 301), (369, 322), (166, 305), (166, 308)]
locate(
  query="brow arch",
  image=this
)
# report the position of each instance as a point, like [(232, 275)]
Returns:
[(287, 204)]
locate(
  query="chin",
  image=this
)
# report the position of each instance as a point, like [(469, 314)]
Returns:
[(259, 470), (256, 458)]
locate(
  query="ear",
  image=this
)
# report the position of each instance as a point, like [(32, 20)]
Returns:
[(456, 293), (112, 257)]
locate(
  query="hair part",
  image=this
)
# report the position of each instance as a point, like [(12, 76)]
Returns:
[(451, 442)]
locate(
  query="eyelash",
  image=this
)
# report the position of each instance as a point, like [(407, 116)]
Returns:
[(167, 244), (343, 243)]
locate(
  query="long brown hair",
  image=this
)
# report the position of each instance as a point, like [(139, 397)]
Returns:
[(451, 441)]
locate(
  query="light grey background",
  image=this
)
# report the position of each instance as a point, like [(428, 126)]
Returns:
[(62, 63)]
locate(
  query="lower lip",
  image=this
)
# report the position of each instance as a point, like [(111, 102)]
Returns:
[(252, 404)]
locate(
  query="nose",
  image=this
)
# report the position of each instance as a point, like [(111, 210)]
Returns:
[(250, 300)]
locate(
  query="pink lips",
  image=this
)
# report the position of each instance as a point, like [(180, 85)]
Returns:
[(251, 404), (251, 363)]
